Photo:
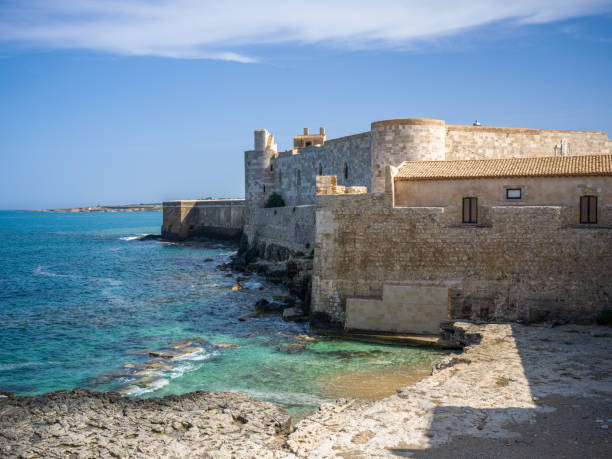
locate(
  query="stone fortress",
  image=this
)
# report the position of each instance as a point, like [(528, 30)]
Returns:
[(418, 221)]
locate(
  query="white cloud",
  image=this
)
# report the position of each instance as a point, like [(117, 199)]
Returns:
[(216, 29)]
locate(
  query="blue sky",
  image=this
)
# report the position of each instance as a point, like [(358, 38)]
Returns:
[(108, 102)]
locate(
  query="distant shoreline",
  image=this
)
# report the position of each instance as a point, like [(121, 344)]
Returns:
[(157, 207)]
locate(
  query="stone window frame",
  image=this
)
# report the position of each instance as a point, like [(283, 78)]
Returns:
[(514, 187)]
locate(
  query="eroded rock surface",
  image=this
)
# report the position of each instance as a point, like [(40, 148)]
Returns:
[(493, 397), (92, 424), (490, 392)]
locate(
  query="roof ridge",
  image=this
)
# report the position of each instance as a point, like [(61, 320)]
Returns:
[(506, 159)]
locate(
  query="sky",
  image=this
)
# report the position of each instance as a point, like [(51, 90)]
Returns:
[(119, 101)]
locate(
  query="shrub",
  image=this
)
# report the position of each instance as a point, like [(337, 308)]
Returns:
[(298, 254), (275, 200), (310, 255)]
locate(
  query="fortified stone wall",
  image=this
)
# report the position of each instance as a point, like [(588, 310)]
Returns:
[(360, 161), (295, 171), (222, 219), (481, 142), (273, 233), (527, 263)]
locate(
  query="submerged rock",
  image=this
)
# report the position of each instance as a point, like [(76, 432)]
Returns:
[(294, 348), (308, 339), (151, 237), (175, 354), (270, 307), (250, 315), (226, 345), (83, 423), (294, 313)]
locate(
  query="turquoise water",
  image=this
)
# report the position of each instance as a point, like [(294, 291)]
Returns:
[(81, 299)]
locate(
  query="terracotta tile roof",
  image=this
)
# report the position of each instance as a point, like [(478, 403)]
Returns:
[(545, 166)]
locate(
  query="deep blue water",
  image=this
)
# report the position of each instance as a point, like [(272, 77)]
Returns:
[(81, 299)]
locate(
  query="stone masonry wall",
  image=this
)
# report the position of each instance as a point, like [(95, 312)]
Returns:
[(209, 218), (275, 232), (295, 173), (526, 263), (481, 142)]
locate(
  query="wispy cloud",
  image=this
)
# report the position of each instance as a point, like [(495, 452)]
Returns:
[(198, 29)]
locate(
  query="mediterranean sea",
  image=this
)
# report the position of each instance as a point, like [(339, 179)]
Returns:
[(84, 303)]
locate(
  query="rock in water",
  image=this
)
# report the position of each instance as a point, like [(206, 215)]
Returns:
[(237, 287), (308, 339), (295, 313), (268, 307), (83, 423)]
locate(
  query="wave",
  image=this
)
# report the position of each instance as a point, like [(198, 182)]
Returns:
[(196, 356), (132, 238), (182, 365), (18, 365), (138, 390), (252, 285), (42, 271)]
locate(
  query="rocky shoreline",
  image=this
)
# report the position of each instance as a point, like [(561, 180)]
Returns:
[(495, 399), (92, 424)]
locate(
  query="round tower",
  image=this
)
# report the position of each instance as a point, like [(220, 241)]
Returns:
[(405, 139), (258, 169)]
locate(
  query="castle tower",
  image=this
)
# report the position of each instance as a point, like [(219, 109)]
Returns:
[(405, 139), (259, 169)]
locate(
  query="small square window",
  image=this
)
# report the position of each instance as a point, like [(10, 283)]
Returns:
[(514, 193)]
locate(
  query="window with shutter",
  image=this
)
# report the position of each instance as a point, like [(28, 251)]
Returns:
[(588, 209), (470, 210)]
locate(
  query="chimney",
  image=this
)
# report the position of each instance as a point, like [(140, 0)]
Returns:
[(321, 130), (305, 131)]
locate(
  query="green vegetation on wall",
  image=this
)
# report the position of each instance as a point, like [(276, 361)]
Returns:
[(275, 200)]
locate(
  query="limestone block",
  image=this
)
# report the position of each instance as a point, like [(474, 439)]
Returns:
[(403, 309)]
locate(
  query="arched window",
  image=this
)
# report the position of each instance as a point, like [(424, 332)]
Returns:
[(264, 188), (320, 169), (345, 171), (280, 177), (299, 177), (271, 167)]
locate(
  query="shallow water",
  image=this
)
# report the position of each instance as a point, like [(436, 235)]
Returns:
[(81, 299)]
